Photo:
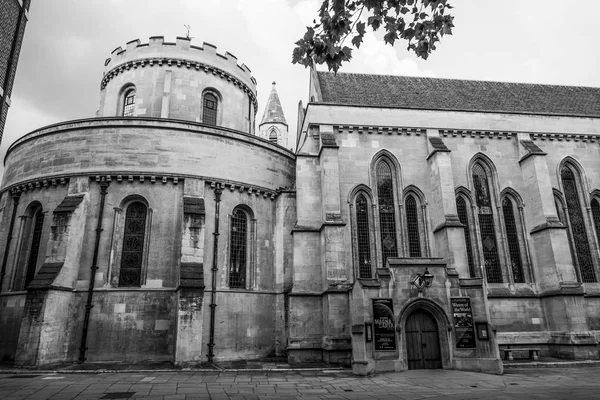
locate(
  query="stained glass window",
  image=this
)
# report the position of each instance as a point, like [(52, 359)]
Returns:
[(412, 222), (36, 238), (461, 208), (238, 249), (513, 240), (577, 226), (129, 103), (486, 225), (363, 237), (596, 215), (130, 273), (387, 214), (209, 109)]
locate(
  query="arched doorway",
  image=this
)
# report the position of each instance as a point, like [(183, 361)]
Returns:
[(422, 341)]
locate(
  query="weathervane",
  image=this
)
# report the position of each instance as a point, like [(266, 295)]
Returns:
[(188, 28)]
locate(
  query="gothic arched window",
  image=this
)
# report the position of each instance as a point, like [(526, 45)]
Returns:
[(210, 106), (34, 247), (363, 237), (463, 216), (387, 213), (512, 237), (129, 102), (596, 215), (238, 249), (487, 229), (576, 225), (130, 273), (273, 136), (412, 223)]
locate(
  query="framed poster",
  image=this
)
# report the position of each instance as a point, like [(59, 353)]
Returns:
[(482, 331), (384, 329), (464, 328)]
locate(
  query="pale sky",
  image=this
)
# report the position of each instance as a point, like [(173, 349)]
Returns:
[(67, 41)]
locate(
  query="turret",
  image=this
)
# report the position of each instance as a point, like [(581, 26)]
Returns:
[(178, 81), (273, 126)]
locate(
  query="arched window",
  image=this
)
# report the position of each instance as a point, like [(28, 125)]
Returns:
[(576, 225), (387, 213), (34, 248), (512, 237), (412, 223), (487, 229), (210, 106), (596, 215), (238, 249), (273, 135), (129, 102), (363, 235), (130, 273), (462, 210)]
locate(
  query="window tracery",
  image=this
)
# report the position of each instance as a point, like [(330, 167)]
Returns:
[(387, 213), (130, 272)]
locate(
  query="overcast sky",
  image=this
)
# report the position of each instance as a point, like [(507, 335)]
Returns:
[(67, 41)]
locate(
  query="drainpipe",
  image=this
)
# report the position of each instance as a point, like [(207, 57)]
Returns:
[(94, 267), (9, 238), (213, 292)]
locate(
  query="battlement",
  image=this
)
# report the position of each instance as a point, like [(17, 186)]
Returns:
[(180, 53)]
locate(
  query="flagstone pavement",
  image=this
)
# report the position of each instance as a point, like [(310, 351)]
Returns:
[(531, 383)]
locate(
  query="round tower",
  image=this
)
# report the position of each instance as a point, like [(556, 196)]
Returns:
[(178, 81), (273, 126)]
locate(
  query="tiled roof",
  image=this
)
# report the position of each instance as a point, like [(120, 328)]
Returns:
[(273, 110), (455, 94)]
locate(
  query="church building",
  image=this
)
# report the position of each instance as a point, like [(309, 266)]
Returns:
[(418, 223)]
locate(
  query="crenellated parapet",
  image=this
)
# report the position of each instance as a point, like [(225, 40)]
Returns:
[(202, 66)]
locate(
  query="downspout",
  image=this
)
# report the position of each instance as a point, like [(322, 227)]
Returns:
[(11, 60), (213, 291), (9, 238), (94, 267)]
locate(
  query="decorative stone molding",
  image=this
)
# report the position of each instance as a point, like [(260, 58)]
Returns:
[(180, 62), (380, 130), (249, 189), (136, 177), (473, 134), (33, 184), (565, 136)]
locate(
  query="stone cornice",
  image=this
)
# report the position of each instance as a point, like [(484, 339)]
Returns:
[(475, 133), (380, 130), (565, 136), (179, 62), (143, 177)]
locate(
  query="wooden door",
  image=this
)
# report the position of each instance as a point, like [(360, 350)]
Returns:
[(422, 341)]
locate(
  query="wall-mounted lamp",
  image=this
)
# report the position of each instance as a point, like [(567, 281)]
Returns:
[(422, 281)]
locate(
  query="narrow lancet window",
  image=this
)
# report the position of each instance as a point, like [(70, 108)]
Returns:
[(363, 236), (130, 273), (577, 226), (387, 214), (34, 250), (486, 225), (238, 249), (461, 208), (596, 215), (412, 222), (513, 241)]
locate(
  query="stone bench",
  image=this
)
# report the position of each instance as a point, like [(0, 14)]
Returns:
[(533, 352)]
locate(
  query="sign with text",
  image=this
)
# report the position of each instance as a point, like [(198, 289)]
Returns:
[(384, 329), (463, 323)]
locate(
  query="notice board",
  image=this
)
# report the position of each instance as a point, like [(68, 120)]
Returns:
[(384, 329), (464, 329)]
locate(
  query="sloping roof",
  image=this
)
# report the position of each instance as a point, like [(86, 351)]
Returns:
[(273, 110), (456, 94)]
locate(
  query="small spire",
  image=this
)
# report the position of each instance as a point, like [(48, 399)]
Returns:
[(273, 110)]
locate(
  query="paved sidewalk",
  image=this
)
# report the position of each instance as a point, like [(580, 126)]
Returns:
[(573, 383)]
